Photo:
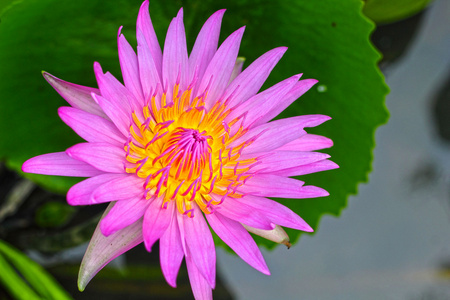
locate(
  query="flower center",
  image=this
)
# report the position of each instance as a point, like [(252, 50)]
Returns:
[(186, 152)]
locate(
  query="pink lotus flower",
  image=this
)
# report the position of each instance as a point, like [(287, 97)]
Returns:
[(186, 137)]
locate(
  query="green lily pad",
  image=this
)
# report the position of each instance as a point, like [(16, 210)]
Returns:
[(326, 41), (388, 11)]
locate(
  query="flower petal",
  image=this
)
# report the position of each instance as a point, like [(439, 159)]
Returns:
[(123, 214), (149, 73), (200, 286), (102, 249), (308, 142), (144, 25), (237, 69), (280, 160), (218, 73), (156, 221), (257, 106), (205, 45), (266, 185), (235, 236), (60, 164), (277, 235), (248, 83), (175, 57), (80, 193), (200, 243), (91, 127), (130, 69), (315, 167), (118, 114), (76, 95), (275, 134), (276, 212), (102, 156), (299, 89), (121, 188), (171, 252)]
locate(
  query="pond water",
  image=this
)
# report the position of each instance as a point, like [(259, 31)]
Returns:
[(393, 239)]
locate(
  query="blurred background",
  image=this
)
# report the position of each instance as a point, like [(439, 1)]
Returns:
[(392, 241)]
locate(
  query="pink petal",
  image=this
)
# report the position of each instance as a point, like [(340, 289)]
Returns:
[(237, 69), (171, 252), (76, 95), (91, 127), (144, 25), (130, 68), (315, 167), (266, 185), (102, 250), (242, 213), (276, 212), (257, 106), (149, 73), (102, 156), (280, 160), (218, 72), (80, 193), (308, 142), (60, 164), (277, 235), (200, 243), (118, 114), (205, 45), (200, 286), (123, 214), (299, 89), (235, 236), (250, 81), (175, 57), (156, 221), (124, 187), (275, 134)]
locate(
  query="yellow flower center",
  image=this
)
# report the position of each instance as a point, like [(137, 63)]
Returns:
[(183, 151)]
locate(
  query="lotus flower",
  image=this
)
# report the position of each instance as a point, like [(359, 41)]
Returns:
[(186, 137)]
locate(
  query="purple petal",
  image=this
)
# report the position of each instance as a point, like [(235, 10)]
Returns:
[(91, 127), (200, 243), (123, 214), (149, 73), (205, 45), (257, 106), (156, 221), (118, 114), (280, 160), (80, 193), (266, 185), (124, 187), (248, 83), (276, 212), (275, 134), (218, 73), (175, 57), (308, 142), (102, 250), (144, 25), (235, 236), (243, 213), (171, 252), (318, 166), (60, 164), (200, 286), (76, 95), (299, 89), (237, 69), (102, 156), (277, 235), (129, 67)]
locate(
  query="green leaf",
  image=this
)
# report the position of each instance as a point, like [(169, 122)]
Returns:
[(45, 287), (326, 41), (388, 11)]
